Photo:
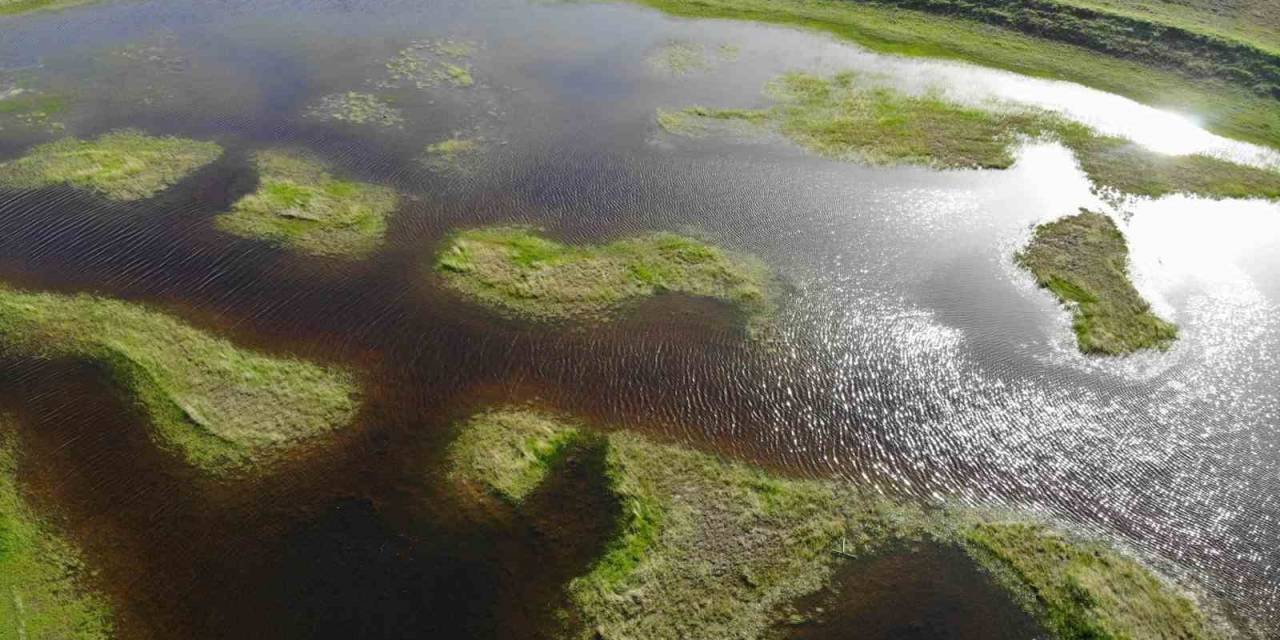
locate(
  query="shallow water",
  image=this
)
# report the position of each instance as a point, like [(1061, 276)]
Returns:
[(914, 355)]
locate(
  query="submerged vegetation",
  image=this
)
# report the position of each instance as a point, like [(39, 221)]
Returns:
[(508, 453), (708, 548), (22, 108), (42, 591), (1240, 109), (1083, 259), (221, 407), (848, 118), (357, 108), (301, 205), (122, 165), (680, 58), (520, 271), (456, 154), (430, 63)]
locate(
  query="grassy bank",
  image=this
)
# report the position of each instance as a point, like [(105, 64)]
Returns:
[(1083, 259), (220, 407), (709, 548), (301, 205), (1084, 589), (122, 165), (846, 117), (19, 7), (508, 453), (1228, 109), (42, 594), (519, 271)]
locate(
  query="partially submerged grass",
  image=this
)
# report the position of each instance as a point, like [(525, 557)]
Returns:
[(1083, 259), (357, 108), (304, 207), (517, 270), (848, 118), (121, 165), (1229, 109), (508, 453), (429, 63), (31, 110), (42, 591), (709, 548), (456, 154), (1084, 590), (220, 407)]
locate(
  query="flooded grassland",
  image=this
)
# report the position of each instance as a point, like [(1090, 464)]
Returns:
[(380, 320)]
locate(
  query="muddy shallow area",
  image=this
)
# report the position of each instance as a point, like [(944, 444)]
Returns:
[(913, 354)]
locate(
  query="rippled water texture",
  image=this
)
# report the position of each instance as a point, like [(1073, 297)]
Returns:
[(914, 354)]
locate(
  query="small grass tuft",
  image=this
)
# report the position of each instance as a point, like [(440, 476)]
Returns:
[(456, 154), (509, 452), (42, 594), (301, 205), (517, 270), (357, 108), (1083, 260), (221, 407), (123, 165)]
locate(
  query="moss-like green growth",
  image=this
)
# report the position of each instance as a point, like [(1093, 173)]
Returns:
[(509, 453), (1084, 590), (1083, 259), (221, 407), (41, 574), (121, 165), (357, 108), (1231, 109), (18, 7), (845, 118), (517, 270), (456, 154), (301, 205), (680, 58)]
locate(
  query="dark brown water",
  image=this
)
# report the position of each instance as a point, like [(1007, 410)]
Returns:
[(913, 356)]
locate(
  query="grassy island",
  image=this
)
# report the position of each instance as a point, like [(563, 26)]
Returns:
[(41, 574), (1230, 82), (704, 547), (518, 270), (849, 118), (220, 407), (301, 205), (122, 165), (1084, 589), (19, 7), (1083, 259), (508, 453)]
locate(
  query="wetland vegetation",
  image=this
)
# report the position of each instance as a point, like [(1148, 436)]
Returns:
[(706, 547), (849, 117), (523, 272), (301, 205), (220, 407), (455, 154), (357, 108), (42, 576), (1240, 108), (122, 165), (1084, 260)]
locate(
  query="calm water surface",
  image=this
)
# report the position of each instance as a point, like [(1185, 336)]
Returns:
[(914, 355)]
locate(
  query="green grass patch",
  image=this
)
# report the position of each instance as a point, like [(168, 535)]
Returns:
[(1085, 590), (122, 165), (19, 7), (42, 591), (430, 63), (1229, 109), (517, 270), (301, 205), (509, 452), (846, 117), (680, 58), (1083, 259), (220, 407), (456, 154)]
